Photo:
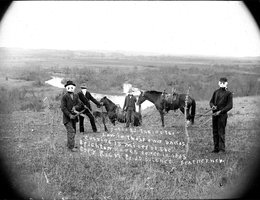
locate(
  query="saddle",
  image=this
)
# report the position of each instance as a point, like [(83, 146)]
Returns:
[(171, 97), (170, 101)]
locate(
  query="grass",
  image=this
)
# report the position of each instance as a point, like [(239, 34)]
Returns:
[(40, 172), (33, 139)]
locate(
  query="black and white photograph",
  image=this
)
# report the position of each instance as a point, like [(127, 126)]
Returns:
[(129, 100)]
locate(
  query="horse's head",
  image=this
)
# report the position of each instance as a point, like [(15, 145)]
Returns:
[(103, 100), (109, 105), (141, 98)]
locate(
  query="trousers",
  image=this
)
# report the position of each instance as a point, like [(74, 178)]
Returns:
[(91, 119), (129, 117), (219, 125), (71, 132)]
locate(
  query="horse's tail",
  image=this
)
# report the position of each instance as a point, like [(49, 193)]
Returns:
[(193, 110)]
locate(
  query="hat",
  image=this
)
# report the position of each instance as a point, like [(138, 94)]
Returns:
[(69, 83), (223, 79), (83, 86)]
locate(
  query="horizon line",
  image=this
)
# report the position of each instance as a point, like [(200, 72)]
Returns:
[(134, 53)]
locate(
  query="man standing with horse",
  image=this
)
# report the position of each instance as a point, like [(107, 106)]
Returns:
[(85, 97), (69, 102), (221, 102), (129, 107)]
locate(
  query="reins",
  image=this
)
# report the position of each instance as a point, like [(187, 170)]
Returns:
[(205, 114)]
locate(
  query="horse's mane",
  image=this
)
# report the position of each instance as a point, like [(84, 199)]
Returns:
[(153, 92), (111, 102), (111, 105)]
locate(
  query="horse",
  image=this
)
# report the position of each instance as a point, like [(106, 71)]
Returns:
[(115, 113), (165, 102), (95, 114)]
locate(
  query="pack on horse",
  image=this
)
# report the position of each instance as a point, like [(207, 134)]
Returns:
[(165, 102), (115, 113)]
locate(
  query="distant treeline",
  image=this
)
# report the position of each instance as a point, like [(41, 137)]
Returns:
[(202, 81)]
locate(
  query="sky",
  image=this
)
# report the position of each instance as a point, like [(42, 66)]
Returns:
[(204, 28)]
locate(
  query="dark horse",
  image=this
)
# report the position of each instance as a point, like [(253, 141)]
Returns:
[(95, 114), (165, 102), (115, 113)]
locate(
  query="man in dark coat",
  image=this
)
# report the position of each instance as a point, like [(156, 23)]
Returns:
[(129, 107), (221, 102), (68, 101), (85, 97)]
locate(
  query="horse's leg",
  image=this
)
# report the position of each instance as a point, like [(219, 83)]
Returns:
[(182, 110), (104, 123), (187, 111), (162, 117), (188, 116)]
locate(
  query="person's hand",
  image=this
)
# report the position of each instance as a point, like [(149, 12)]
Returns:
[(72, 116), (214, 107), (73, 109)]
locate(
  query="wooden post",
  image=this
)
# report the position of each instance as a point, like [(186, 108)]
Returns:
[(185, 120)]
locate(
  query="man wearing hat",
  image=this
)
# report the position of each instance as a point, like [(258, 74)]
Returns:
[(221, 102), (129, 107), (68, 101), (85, 97)]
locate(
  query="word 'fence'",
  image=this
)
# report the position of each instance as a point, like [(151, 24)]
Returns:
[(137, 144)]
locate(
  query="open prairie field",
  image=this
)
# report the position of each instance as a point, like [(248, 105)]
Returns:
[(33, 145), (147, 162)]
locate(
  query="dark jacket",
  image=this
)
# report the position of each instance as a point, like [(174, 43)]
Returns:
[(223, 99), (129, 102), (66, 105), (86, 98)]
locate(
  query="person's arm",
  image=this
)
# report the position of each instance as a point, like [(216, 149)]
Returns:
[(79, 105), (94, 100), (135, 99), (229, 105), (211, 103), (64, 108), (125, 103), (80, 96)]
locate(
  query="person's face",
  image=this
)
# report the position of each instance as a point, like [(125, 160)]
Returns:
[(70, 88), (222, 84), (84, 91)]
